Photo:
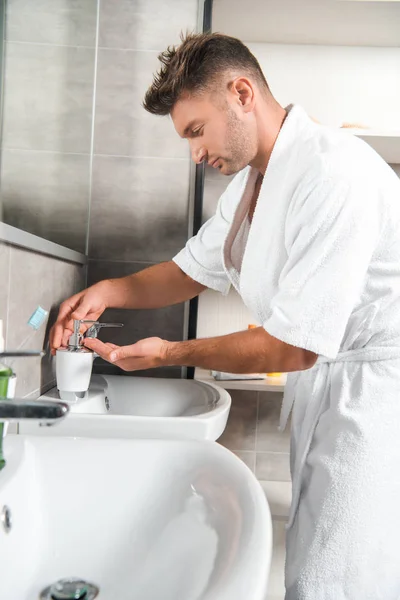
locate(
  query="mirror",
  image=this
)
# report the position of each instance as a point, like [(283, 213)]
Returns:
[(47, 123)]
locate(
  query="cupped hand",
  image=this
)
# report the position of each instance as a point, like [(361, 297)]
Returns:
[(145, 354)]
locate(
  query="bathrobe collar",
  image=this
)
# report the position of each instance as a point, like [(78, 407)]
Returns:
[(296, 121)]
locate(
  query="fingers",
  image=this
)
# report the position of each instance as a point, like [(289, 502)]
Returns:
[(66, 335), (111, 352), (90, 307), (84, 305), (55, 337), (59, 336), (102, 349), (63, 319), (124, 352), (128, 358)]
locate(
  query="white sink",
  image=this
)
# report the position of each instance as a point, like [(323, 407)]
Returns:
[(126, 407), (141, 519)]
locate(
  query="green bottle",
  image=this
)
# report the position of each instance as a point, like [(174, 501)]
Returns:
[(5, 374)]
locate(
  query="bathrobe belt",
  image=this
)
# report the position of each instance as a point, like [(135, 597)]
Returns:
[(315, 405)]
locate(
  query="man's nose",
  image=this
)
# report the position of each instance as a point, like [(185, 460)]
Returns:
[(198, 154)]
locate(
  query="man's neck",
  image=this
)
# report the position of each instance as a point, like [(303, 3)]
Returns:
[(270, 123)]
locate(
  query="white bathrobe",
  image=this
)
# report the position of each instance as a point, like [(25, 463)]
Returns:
[(321, 271)]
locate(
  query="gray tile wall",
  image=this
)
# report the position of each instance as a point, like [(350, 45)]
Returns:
[(80, 139), (45, 167), (137, 324), (140, 190), (47, 121), (252, 433), (30, 279)]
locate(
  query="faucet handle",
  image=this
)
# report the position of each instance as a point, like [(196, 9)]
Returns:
[(93, 331)]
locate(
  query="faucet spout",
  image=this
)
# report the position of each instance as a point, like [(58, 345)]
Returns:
[(18, 410)]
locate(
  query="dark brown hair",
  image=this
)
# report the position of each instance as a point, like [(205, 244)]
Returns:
[(196, 66)]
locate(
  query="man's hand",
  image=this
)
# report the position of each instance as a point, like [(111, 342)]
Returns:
[(88, 304), (145, 354)]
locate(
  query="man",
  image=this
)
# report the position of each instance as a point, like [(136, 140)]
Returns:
[(308, 232)]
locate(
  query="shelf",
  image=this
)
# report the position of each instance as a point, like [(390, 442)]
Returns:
[(387, 144), (321, 22), (271, 384), (23, 239)]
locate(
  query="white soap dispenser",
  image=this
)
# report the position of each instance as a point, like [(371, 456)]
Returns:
[(74, 363)]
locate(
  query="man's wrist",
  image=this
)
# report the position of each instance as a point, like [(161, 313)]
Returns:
[(106, 289), (171, 354)]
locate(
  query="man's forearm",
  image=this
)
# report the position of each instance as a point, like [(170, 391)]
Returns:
[(161, 285), (252, 351)]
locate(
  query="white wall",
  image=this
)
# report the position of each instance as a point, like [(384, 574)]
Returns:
[(336, 83)]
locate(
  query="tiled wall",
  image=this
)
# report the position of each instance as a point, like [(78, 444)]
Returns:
[(29, 279), (140, 194), (47, 118), (252, 433), (82, 161), (137, 324), (45, 169)]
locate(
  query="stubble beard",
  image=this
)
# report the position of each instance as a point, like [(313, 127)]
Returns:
[(239, 146)]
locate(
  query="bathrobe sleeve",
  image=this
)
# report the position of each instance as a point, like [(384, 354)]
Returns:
[(202, 257), (332, 229)]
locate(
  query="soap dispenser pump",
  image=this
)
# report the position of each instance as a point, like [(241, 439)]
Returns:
[(74, 363)]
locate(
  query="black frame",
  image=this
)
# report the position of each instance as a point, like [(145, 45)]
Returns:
[(198, 205)]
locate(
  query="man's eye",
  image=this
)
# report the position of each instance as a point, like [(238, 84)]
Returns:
[(197, 132)]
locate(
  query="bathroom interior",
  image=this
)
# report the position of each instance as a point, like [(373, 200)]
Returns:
[(174, 482)]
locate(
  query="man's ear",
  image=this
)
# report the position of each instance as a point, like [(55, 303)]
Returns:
[(243, 90)]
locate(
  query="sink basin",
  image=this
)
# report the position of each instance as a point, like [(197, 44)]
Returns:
[(140, 519), (126, 407)]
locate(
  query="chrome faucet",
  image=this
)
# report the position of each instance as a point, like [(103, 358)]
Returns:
[(19, 409)]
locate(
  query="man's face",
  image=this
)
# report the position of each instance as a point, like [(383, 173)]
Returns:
[(218, 132)]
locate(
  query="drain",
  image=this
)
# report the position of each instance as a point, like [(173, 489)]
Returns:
[(107, 403), (5, 519), (70, 589)]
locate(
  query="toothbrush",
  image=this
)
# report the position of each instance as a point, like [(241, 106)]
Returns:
[(35, 321)]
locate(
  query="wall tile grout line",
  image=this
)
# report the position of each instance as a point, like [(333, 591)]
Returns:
[(110, 48), (258, 451), (91, 159), (256, 434), (272, 452), (48, 44), (62, 153), (132, 156), (40, 151), (111, 260)]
